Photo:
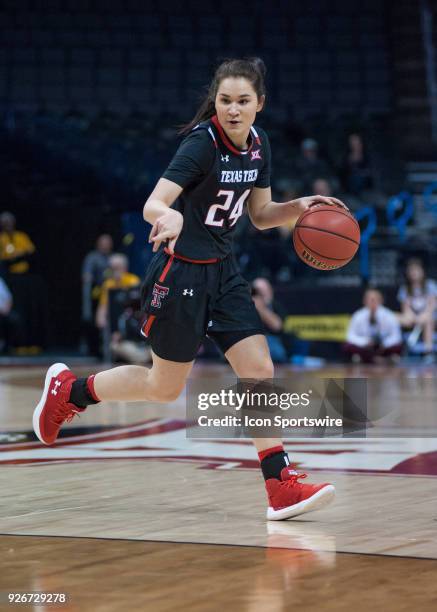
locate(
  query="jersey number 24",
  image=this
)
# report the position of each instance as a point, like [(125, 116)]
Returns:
[(213, 216)]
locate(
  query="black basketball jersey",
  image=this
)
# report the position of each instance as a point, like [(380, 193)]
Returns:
[(217, 179)]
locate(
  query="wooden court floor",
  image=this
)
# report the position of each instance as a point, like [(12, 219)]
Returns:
[(127, 513)]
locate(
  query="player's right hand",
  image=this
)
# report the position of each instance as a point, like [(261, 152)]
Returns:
[(166, 227), (307, 202)]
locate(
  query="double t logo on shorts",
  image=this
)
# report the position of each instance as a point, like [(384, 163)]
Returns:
[(159, 293)]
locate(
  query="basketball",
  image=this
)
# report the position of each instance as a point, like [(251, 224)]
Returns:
[(326, 237)]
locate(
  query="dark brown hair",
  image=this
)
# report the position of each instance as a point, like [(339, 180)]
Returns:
[(252, 68), (414, 261)]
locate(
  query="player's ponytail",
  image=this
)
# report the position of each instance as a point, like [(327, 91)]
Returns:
[(253, 69)]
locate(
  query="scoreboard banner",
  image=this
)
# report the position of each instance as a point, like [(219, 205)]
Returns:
[(331, 327)]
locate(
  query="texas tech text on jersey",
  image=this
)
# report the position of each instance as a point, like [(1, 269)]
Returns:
[(217, 179)]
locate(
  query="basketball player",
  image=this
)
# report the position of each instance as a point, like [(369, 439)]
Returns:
[(193, 286)]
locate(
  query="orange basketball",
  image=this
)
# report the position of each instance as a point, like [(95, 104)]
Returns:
[(326, 237)]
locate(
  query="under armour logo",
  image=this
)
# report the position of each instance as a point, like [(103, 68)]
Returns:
[(255, 154), (209, 323), (159, 293), (189, 292), (56, 387), (225, 158)]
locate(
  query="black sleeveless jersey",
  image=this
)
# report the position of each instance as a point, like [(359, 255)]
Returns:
[(217, 179)]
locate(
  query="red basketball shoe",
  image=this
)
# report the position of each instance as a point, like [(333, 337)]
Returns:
[(54, 408), (288, 497)]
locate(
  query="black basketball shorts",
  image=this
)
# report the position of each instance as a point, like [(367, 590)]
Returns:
[(185, 300)]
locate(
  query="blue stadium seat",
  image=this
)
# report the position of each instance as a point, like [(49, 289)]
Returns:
[(10, 5), (370, 23), (57, 21), (53, 94), (78, 91), (108, 56), (168, 58), (377, 78), (82, 56), (24, 55), (318, 59), (276, 40), (210, 7), (122, 38), (151, 39), (50, 6), (378, 99), (5, 56), (309, 23), (139, 57), (15, 37), (4, 81), (110, 76), (182, 39), (23, 91), (195, 57), (109, 6), (106, 93), (290, 59), (165, 79), (340, 40), (80, 6), (24, 73), (71, 38), (136, 76), (7, 21), (210, 24), (346, 60), (43, 38), (290, 81), (83, 75), (180, 22), (316, 77), (148, 22), (117, 21), (98, 38), (138, 94), (53, 74), (209, 40), (52, 56), (136, 6)]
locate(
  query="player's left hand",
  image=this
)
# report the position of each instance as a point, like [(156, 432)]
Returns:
[(303, 204), (166, 229)]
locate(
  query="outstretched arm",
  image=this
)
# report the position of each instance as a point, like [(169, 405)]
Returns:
[(265, 214), (166, 222)]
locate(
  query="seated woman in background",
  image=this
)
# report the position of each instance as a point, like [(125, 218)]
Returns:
[(374, 334), (356, 171), (418, 302)]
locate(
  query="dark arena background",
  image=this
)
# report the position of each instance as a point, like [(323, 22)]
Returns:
[(127, 511)]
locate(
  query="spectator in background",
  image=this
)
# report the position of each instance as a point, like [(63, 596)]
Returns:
[(94, 266), (309, 164), (272, 315), (374, 333), (119, 278), (417, 297), (16, 248), (356, 172), (9, 320), (322, 186), (28, 291), (121, 347)]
